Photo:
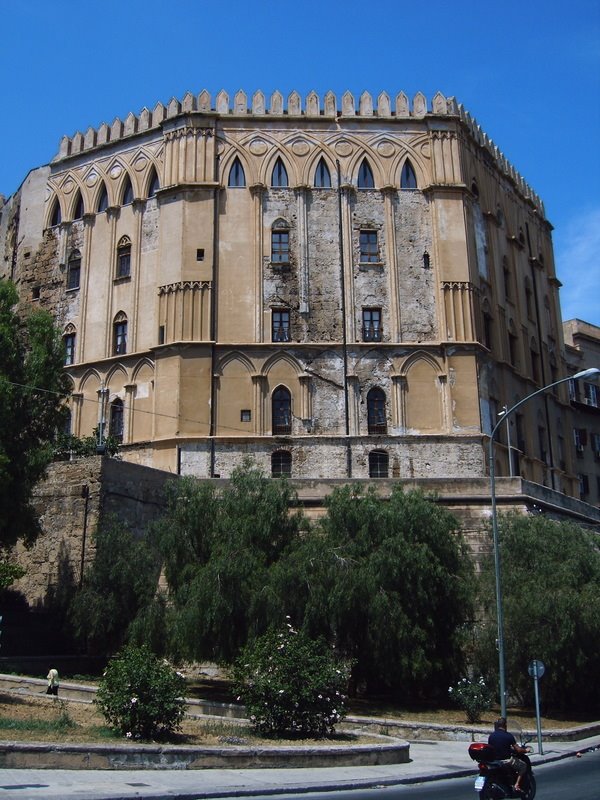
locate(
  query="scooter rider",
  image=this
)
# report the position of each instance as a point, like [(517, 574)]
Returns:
[(506, 750)]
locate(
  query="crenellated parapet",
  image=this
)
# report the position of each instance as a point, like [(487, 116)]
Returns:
[(329, 106)]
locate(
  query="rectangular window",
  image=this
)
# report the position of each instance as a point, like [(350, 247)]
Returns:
[(280, 247), (584, 485), (120, 338), (74, 274), (245, 415), (592, 395), (124, 262), (69, 349), (595, 437), (280, 325), (580, 439), (369, 248), (371, 324)]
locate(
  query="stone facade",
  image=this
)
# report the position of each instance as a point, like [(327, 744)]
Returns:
[(583, 352), (339, 289)]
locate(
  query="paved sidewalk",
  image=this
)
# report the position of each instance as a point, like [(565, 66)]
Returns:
[(429, 761)]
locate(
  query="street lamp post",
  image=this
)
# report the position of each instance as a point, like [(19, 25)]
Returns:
[(587, 373)]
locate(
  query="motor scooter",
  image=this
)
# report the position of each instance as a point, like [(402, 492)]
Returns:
[(496, 779)]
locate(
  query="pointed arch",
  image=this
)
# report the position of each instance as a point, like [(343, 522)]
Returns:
[(69, 340), (281, 411), (365, 179), (237, 176), (119, 334), (55, 217), (78, 207), (123, 257), (127, 196), (144, 363), (235, 358), (153, 183), (423, 393), (102, 201), (408, 177), (322, 175), (279, 175)]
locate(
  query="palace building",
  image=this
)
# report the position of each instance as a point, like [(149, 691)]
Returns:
[(338, 287)]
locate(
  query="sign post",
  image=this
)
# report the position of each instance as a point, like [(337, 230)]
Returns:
[(536, 670)]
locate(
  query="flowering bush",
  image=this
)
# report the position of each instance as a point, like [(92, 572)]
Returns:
[(473, 696), (140, 695), (291, 684)]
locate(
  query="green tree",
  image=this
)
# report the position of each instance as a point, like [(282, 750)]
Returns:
[(389, 583), (219, 550), (32, 388), (551, 593), (119, 584)]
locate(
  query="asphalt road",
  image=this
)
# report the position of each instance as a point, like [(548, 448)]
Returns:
[(570, 779)]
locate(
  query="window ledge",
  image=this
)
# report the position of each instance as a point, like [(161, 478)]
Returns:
[(368, 264), (72, 289), (279, 266), (122, 279)]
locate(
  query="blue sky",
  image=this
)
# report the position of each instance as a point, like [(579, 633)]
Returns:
[(528, 71)]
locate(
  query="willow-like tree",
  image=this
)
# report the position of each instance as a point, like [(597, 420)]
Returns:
[(219, 548), (32, 388), (551, 602), (389, 584)]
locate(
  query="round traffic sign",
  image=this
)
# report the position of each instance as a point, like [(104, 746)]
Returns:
[(536, 668)]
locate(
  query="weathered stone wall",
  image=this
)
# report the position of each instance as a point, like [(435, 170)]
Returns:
[(75, 496)]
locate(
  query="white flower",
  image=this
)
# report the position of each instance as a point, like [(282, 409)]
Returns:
[(129, 734), (133, 700)]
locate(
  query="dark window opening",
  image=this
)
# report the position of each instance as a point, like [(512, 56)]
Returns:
[(74, 270), (124, 258), (237, 178), (161, 334), (200, 254), (35, 293), (245, 415), (102, 200), (56, 217), (280, 325), (116, 420), (322, 175), (371, 324), (154, 185), (279, 178), (78, 210), (408, 179), (378, 464), (282, 412), (120, 336), (69, 340), (127, 192), (281, 464), (365, 176), (369, 248), (280, 247), (376, 414)]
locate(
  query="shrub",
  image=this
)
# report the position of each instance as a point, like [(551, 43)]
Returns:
[(472, 696), (291, 684), (140, 695)]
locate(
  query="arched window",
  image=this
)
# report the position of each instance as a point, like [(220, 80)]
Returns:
[(154, 184), (279, 178), (408, 179), (378, 464), (376, 416), (120, 334), (102, 200), (67, 422), (124, 257), (281, 412), (115, 428), (74, 270), (237, 177), (365, 176), (322, 175), (280, 242), (56, 216), (78, 207), (69, 342), (127, 195), (281, 464)]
